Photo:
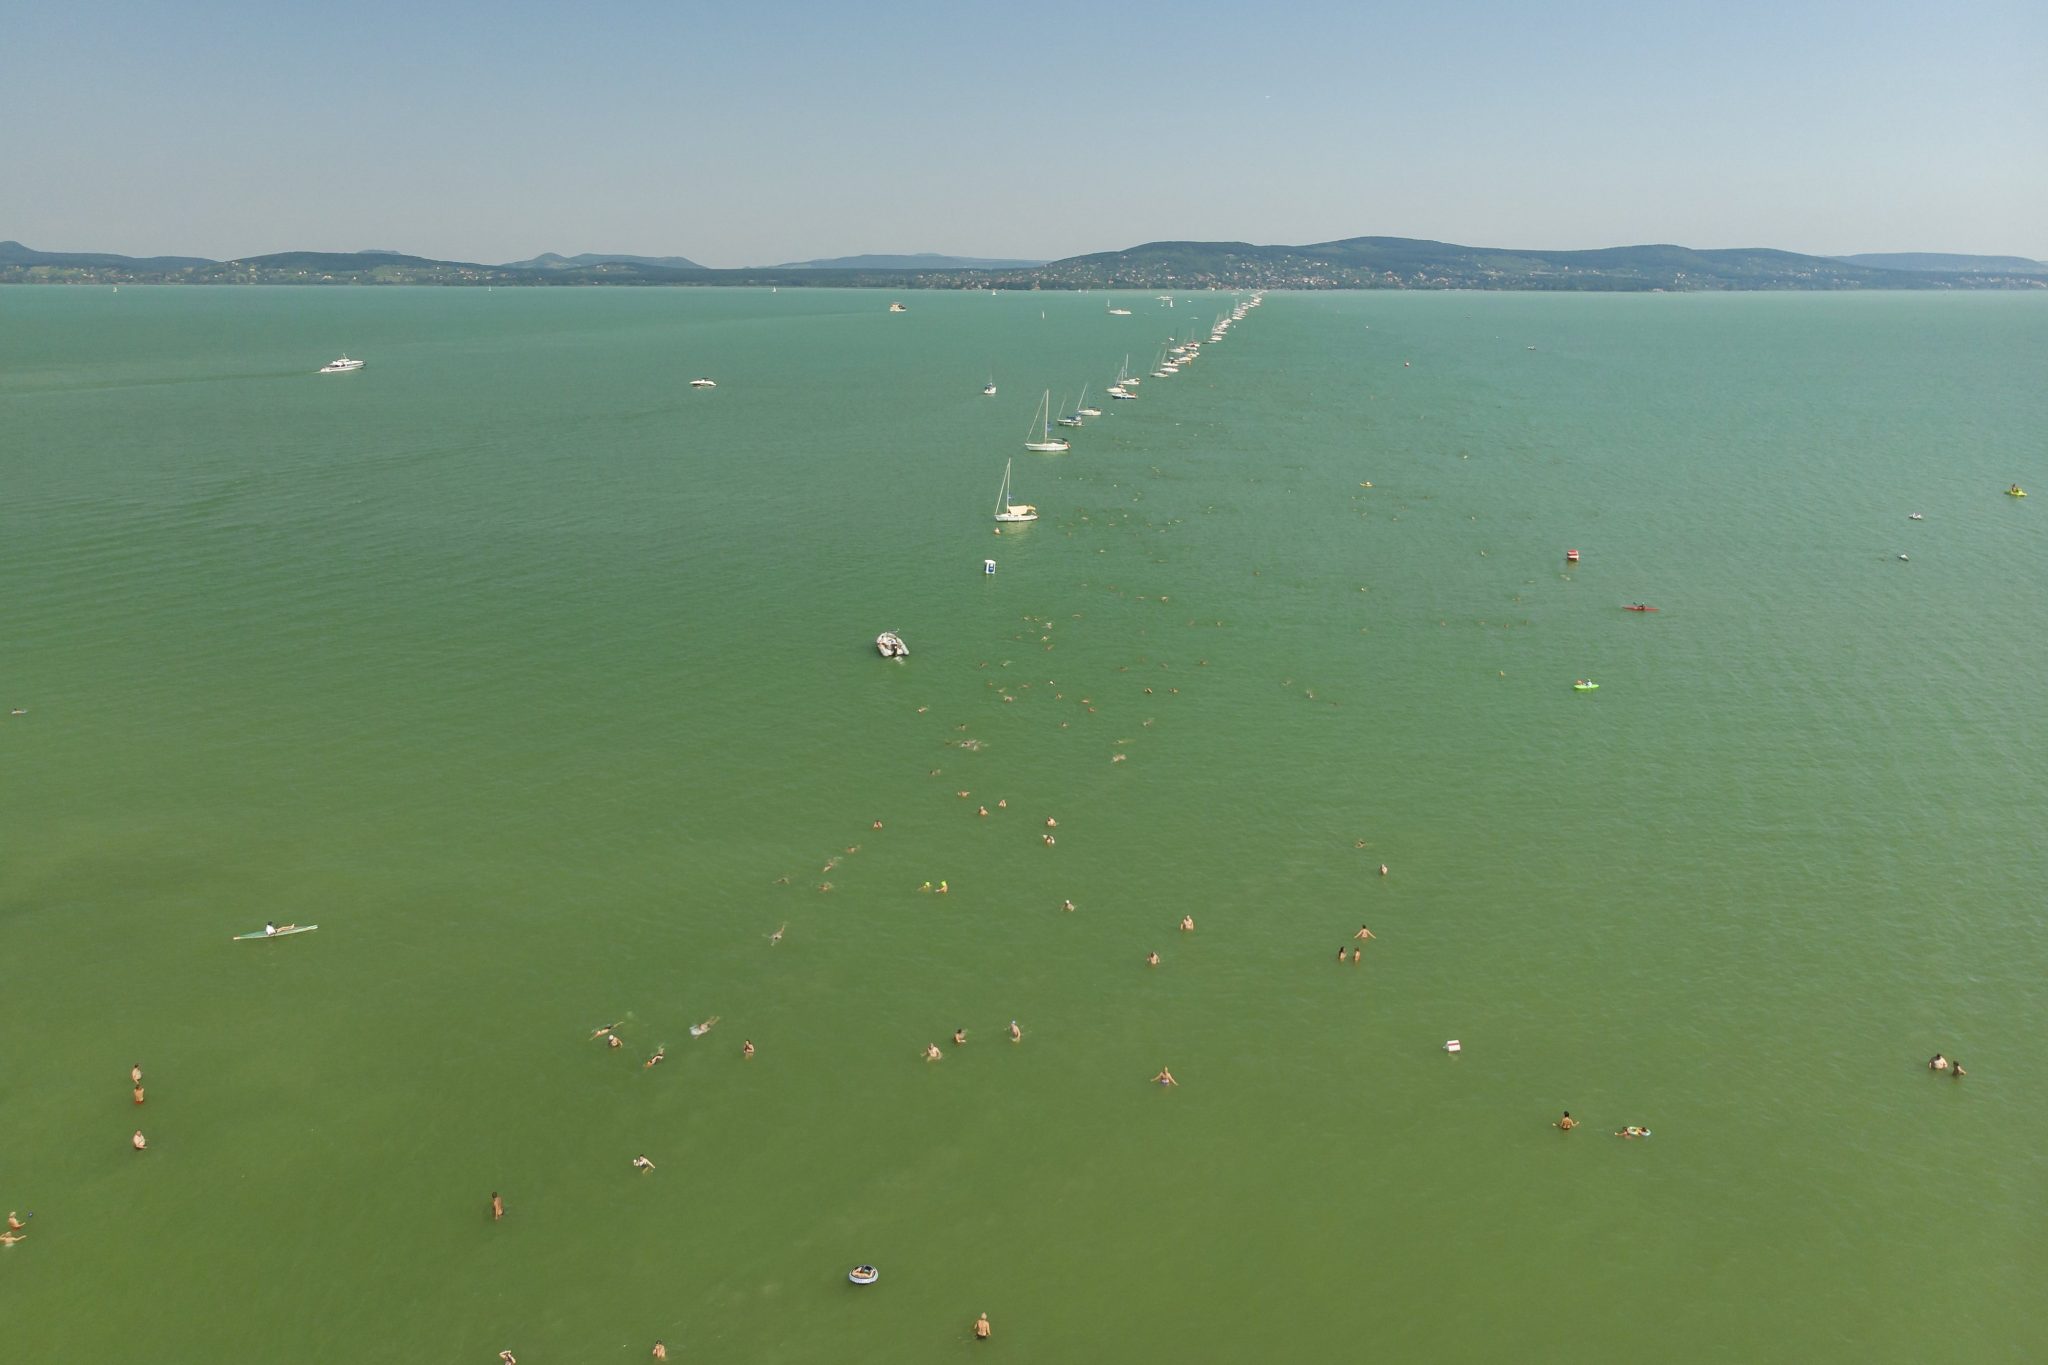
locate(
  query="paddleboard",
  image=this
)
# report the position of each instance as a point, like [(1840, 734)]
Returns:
[(282, 933)]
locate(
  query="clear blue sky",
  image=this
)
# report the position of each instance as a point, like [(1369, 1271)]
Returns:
[(756, 133)]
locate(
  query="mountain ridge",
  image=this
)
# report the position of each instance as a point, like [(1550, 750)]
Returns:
[(1347, 263)]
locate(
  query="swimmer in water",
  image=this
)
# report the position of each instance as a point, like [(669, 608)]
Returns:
[(497, 1206), (926, 887), (1151, 959), (1051, 823), (1937, 1063), (1567, 1122), (603, 1032), (699, 1030), (981, 811), (8, 1239), (1066, 905), (660, 1351), (1340, 952), (942, 889), (959, 1036), (1354, 956), (1165, 1077), (138, 1094), (932, 1053), (1955, 1071), (641, 1163), (981, 1328), (1187, 924), (776, 937), (746, 1047), (13, 1221), (139, 1142), (508, 1358), (659, 1053), (1363, 932), (614, 1041), (876, 825), (1632, 1131), (135, 1073), (1383, 869), (1016, 1034)]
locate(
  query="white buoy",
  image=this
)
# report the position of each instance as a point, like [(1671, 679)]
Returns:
[(1454, 1046), (988, 566)]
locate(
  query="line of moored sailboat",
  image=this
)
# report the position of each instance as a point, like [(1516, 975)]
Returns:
[(1175, 354)]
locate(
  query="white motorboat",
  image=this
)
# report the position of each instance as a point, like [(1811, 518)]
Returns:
[(1012, 511), (988, 390), (1047, 443), (890, 645), (341, 365), (1119, 391), (1116, 312), (703, 383), (898, 308)]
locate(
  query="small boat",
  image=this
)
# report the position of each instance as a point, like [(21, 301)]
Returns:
[(1047, 443), (1119, 391), (1638, 606), (988, 566), (286, 932), (341, 365), (1067, 419), (703, 383), (1010, 511), (1571, 556), (1081, 409), (863, 1274), (1585, 685), (2013, 492), (898, 308), (1116, 312), (988, 390), (1915, 516), (890, 645)]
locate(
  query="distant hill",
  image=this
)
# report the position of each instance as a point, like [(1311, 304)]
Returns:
[(1412, 263), (1353, 263), (923, 260), (14, 253), (548, 260), (1942, 261)]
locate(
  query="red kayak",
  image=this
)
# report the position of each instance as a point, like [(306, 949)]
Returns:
[(1639, 607)]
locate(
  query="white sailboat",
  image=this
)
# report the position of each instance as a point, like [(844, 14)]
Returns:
[(1081, 409), (1047, 443), (1012, 511), (1117, 312), (1068, 419)]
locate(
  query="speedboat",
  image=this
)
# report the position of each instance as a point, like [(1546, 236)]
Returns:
[(341, 365), (703, 383), (988, 390), (1915, 516), (890, 645)]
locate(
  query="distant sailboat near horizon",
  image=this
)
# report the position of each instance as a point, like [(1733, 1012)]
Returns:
[(1047, 443), (1008, 511)]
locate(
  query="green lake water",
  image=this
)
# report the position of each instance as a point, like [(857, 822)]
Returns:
[(544, 684)]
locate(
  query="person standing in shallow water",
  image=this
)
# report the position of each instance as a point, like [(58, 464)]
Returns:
[(497, 1206), (981, 1328), (1567, 1122), (139, 1142)]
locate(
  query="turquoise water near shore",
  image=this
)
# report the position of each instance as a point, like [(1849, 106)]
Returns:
[(529, 674)]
